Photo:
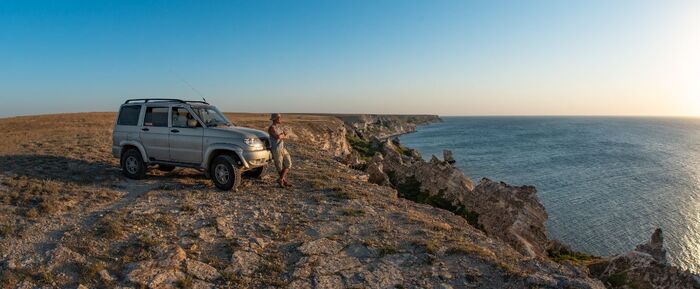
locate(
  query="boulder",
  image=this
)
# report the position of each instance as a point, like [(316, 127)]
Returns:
[(163, 272), (106, 277), (644, 267), (201, 270), (655, 247), (447, 157), (512, 213), (375, 170), (243, 263), (148, 274)]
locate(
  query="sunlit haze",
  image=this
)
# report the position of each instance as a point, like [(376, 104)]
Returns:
[(437, 57)]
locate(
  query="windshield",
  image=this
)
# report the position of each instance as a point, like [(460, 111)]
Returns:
[(211, 116)]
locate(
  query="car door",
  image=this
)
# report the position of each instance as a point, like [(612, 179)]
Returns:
[(155, 133), (185, 141)]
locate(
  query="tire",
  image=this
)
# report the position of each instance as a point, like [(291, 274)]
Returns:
[(255, 173), (166, 168), (132, 164), (225, 173)]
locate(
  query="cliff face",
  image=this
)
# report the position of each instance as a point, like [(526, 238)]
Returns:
[(513, 214), (382, 126)]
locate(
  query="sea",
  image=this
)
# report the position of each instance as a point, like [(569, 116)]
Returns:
[(606, 182)]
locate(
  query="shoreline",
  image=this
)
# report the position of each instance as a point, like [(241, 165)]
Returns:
[(614, 254)]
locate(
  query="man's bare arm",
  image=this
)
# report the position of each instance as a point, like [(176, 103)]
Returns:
[(273, 132)]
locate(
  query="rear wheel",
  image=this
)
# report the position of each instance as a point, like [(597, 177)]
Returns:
[(255, 173), (225, 173), (166, 168), (132, 164)]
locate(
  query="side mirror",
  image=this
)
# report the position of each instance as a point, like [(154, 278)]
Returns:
[(191, 123)]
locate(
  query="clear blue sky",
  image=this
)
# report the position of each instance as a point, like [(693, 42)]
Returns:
[(443, 57)]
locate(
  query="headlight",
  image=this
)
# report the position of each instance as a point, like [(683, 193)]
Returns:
[(253, 142)]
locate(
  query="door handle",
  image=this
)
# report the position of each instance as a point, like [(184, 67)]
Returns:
[(145, 129), (174, 130)]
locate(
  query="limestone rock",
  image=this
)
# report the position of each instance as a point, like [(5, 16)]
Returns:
[(148, 274), (243, 263), (321, 246), (201, 270), (160, 273), (385, 126), (375, 170), (513, 214), (171, 256), (61, 255), (643, 267), (447, 157), (106, 277), (655, 247)]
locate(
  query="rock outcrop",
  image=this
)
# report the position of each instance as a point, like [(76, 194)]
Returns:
[(447, 156), (384, 126), (328, 135), (655, 247), (644, 267), (513, 214)]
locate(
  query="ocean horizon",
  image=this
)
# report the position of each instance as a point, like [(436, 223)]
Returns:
[(606, 181)]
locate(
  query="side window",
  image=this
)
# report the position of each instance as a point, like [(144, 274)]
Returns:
[(156, 116), (181, 116), (129, 115)]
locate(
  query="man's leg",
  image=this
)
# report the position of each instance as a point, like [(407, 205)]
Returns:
[(287, 164), (279, 165), (283, 176)]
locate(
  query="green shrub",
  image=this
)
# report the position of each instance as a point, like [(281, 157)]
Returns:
[(362, 146), (410, 189)]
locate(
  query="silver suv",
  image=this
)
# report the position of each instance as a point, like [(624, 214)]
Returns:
[(173, 133)]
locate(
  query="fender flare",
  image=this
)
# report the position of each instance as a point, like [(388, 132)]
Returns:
[(223, 146), (137, 145)]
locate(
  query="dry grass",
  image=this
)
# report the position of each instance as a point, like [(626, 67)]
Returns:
[(461, 247), (59, 168)]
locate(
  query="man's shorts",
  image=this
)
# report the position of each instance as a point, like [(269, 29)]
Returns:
[(282, 159)]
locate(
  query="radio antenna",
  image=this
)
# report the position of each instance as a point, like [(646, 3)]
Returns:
[(188, 84)]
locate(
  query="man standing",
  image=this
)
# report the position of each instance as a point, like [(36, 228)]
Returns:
[(282, 159)]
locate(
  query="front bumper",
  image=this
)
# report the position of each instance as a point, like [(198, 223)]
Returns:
[(253, 159)]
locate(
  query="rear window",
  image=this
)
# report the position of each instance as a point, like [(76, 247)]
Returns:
[(129, 115), (156, 116)]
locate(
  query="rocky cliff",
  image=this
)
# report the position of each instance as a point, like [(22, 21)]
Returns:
[(68, 219), (383, 126), (512, 214), (643, 267)]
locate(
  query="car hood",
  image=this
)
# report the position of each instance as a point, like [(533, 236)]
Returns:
[(242, 131)]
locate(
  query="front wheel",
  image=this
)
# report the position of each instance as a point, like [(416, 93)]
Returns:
[(225, 173), (132, 164)]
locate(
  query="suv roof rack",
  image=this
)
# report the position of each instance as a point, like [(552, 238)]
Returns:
[(146, 100)]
